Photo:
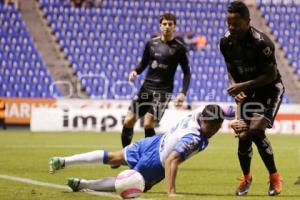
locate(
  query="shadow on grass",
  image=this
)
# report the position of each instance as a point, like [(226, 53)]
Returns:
[(210, 169), (222, 195)]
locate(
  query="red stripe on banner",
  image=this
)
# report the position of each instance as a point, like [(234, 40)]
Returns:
[(288, 117)]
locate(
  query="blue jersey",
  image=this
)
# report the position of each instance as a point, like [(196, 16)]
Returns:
[(148, 155), (184, 138)]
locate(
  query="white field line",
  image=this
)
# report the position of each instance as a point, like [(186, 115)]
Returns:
[(56, 186)]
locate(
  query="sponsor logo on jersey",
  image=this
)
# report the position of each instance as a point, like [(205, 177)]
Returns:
[(267, 51), (154, 64)]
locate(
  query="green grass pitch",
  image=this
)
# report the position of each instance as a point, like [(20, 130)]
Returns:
[(211, 174)]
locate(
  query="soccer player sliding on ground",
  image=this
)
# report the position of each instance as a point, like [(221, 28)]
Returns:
[(155, 157)]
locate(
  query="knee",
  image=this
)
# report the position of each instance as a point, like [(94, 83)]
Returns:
[(114, 158), (246, 152), (261, 141), (149, 125), (129, 121), (149, 122), (257, 135)]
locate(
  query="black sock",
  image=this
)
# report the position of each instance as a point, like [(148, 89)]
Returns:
[(245, 153), (264, 148), (126, 136), (149, 132), (3, 124)]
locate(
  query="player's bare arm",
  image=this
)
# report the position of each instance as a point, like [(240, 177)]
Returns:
[(171, 167)]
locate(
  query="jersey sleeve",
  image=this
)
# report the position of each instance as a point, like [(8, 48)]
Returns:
[(145, 59), (189, 145), (266, 55), (223, 51), (222, 48), (228, 65)]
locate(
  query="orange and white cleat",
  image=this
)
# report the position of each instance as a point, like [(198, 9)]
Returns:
[(275, 187), (244, 185)]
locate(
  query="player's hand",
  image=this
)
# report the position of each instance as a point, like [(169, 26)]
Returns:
[(132, 76), (236, 89), (180, 99), (240, 97), (240, 128)]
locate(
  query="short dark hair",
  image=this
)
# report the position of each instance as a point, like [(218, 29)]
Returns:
[(213, 113), (240, 8), (167, 16)]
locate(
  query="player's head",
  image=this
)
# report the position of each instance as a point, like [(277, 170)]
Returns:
[(211, 119), (167, 23), (238, 19)]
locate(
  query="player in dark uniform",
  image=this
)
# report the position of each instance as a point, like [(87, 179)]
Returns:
[(256, 85), (161, 55)]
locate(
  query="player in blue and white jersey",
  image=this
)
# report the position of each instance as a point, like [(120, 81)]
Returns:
[(155, 157)]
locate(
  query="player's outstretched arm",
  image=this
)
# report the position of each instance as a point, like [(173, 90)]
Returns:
[(171, 167)]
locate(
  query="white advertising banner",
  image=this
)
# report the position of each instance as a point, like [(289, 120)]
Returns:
[(58, 119), (97, 119)]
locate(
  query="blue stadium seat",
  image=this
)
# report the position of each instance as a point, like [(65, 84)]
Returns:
[(19, 57), (113, 35), (282, 19)]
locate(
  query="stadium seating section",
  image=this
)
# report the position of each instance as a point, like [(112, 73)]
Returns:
[(22, 72), (103, 44), (283, 17), (109, 40)]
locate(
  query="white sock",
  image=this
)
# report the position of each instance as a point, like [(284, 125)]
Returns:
[(105, 184), (93, 157)]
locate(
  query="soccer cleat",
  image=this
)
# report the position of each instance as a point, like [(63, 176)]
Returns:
[(244, 185), (74, 183), (55, 163), (275, 187)]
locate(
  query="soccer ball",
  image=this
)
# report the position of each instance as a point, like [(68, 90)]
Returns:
[(129, 184)]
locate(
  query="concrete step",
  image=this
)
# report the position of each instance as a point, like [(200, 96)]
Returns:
[(49, 50)]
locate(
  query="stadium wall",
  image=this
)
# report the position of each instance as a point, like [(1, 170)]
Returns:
[(92, 115), (108, 115), (18, 110)]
